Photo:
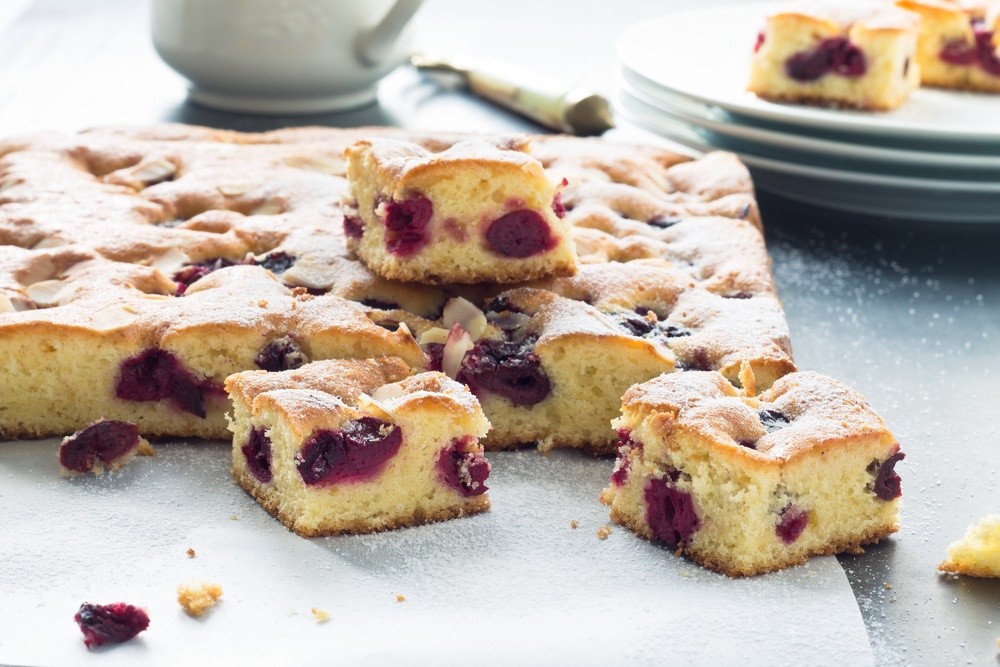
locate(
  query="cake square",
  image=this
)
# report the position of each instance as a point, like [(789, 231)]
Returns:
[(746, 485), (847, 53), (357, 446), (959, 45), (479, 211)]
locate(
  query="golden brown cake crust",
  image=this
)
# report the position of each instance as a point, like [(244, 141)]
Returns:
[(821, 411)]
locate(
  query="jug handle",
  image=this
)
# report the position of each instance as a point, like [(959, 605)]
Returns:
[(374, 43)]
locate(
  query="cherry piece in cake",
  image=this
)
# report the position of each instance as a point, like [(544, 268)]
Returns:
[(506, 368), (155, 375), (463, 468), (357, 451), (110, 623)]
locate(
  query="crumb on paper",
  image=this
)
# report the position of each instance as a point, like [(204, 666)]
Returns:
[(191, 553), (574, 524), (233, 517), (603, 532), (198, 596), (144, 448), (262, 303), (320, 615), (888, 586), (400, 598)]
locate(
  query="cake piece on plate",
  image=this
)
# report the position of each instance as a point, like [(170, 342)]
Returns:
[(358, 446), (959, 45), (747, 485), (977, 554), (479, 211), (847, 53)]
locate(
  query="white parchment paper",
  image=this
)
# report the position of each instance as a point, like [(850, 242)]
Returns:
[(514, 586)]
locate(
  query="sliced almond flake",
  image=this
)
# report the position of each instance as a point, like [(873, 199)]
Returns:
[(464, 312), (459, 342), (434, 335), (50, 242), (324, 164), (46, 293), (117, 316), (149, 173), (236, 189), (171, 260)]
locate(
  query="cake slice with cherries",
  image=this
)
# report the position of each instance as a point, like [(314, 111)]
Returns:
[(358, 446), (746, 485), (848, 53), (959, 45), (479, 211)]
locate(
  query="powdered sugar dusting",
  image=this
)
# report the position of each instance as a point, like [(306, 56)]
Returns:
[(516, 569)]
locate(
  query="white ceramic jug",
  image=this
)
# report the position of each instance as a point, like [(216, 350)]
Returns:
[(283, 56)]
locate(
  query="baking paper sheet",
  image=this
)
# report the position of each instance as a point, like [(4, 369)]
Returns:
[(514, 586)]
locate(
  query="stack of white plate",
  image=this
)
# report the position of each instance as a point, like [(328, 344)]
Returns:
[(683, 76)]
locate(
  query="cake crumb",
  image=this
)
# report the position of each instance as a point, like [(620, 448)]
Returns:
[(262, 303), (400, 598), (233, 517), (191, 553), (197, 596), (574, 524), (320, 615), (144, 448), (888, 586), (603, 532)]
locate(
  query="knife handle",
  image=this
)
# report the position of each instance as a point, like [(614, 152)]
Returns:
[(546, 100)]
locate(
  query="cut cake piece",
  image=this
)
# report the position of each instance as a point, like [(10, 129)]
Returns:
[(358, 446), (104, 445), (747, 485), (977, 554), (848, 53), (959, 45), (480, 211)]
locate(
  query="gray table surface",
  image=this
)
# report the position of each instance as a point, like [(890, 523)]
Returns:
[(908, 314)]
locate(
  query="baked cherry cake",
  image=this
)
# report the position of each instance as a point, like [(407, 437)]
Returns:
[(478, 211), (959, 45), (140, 267), (847, 53), (977, 554), (356, 446), (746, 485)]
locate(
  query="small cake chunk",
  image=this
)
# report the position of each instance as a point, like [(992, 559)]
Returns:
[(358, 446), (977, 554), (746, 485), (197, 597), (480, 211), (846, 53), (105, 444), (959, 45)]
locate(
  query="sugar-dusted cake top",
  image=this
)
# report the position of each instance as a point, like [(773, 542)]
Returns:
[(401, 160), (843, 14), (308, 395), (800, 413)]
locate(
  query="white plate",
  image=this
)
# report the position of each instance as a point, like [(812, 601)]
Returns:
[(928, 199), (705, 55), (719, 121)]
